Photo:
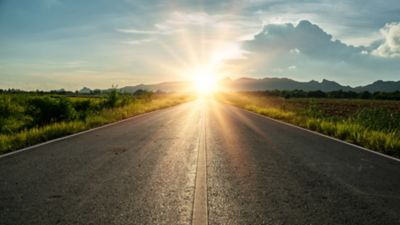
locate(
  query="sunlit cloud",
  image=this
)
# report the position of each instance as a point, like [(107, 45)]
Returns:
[(391, 41), (278, 49), (195, 41)]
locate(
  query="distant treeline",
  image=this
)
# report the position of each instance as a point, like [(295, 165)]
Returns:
[(60, 92), (94, 92), (334, 94)]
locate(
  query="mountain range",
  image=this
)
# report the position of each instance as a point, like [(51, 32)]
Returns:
[(253, 84)]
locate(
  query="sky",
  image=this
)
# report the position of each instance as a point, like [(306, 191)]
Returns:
[(52, 44)]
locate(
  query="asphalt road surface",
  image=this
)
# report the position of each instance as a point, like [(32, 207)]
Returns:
[(197, 163)]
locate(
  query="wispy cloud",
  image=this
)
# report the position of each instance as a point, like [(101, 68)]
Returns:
[(138, 41)]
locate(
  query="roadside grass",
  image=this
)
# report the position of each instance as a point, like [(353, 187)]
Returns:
[(31, 136), (373, 128)]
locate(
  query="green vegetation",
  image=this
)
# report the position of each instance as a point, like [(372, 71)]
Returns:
[(374, 124), (31, 118), (333, 94)]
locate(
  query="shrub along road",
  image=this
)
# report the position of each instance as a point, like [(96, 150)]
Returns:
[(146, 171)]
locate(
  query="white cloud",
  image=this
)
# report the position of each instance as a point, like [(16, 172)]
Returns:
[(139, 41), (279, 48), (181, 18), (295, 51), (391, 45), (234, 27), (209, 26)]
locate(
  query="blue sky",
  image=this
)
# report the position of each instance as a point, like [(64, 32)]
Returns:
[(51, 44)]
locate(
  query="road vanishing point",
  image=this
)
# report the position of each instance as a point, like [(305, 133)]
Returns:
[(201, 162)]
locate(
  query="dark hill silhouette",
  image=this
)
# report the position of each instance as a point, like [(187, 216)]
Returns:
[(387, 86), (253, 84)]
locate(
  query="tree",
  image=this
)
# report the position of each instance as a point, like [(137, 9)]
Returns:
[(112, 97)]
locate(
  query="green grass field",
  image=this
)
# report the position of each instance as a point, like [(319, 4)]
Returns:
[(374, 124), (28, 118)]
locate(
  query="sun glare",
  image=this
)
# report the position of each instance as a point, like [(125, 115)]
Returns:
[(205, 83)]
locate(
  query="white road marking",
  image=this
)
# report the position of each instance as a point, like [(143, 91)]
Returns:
[(200, 210)]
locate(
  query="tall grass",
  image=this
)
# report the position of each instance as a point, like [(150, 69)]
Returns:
[(376, 129), (38, 134)]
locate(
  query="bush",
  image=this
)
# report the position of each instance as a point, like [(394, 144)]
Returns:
[(11, 115), (113, 98), (84, 108), (143, 94), (45, 110)]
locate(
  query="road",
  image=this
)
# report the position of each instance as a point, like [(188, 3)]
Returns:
[(197, 163)]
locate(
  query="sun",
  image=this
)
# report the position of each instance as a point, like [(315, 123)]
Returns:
[(205, 82)]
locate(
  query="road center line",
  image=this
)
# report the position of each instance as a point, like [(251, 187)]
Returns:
[(200, 211)]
